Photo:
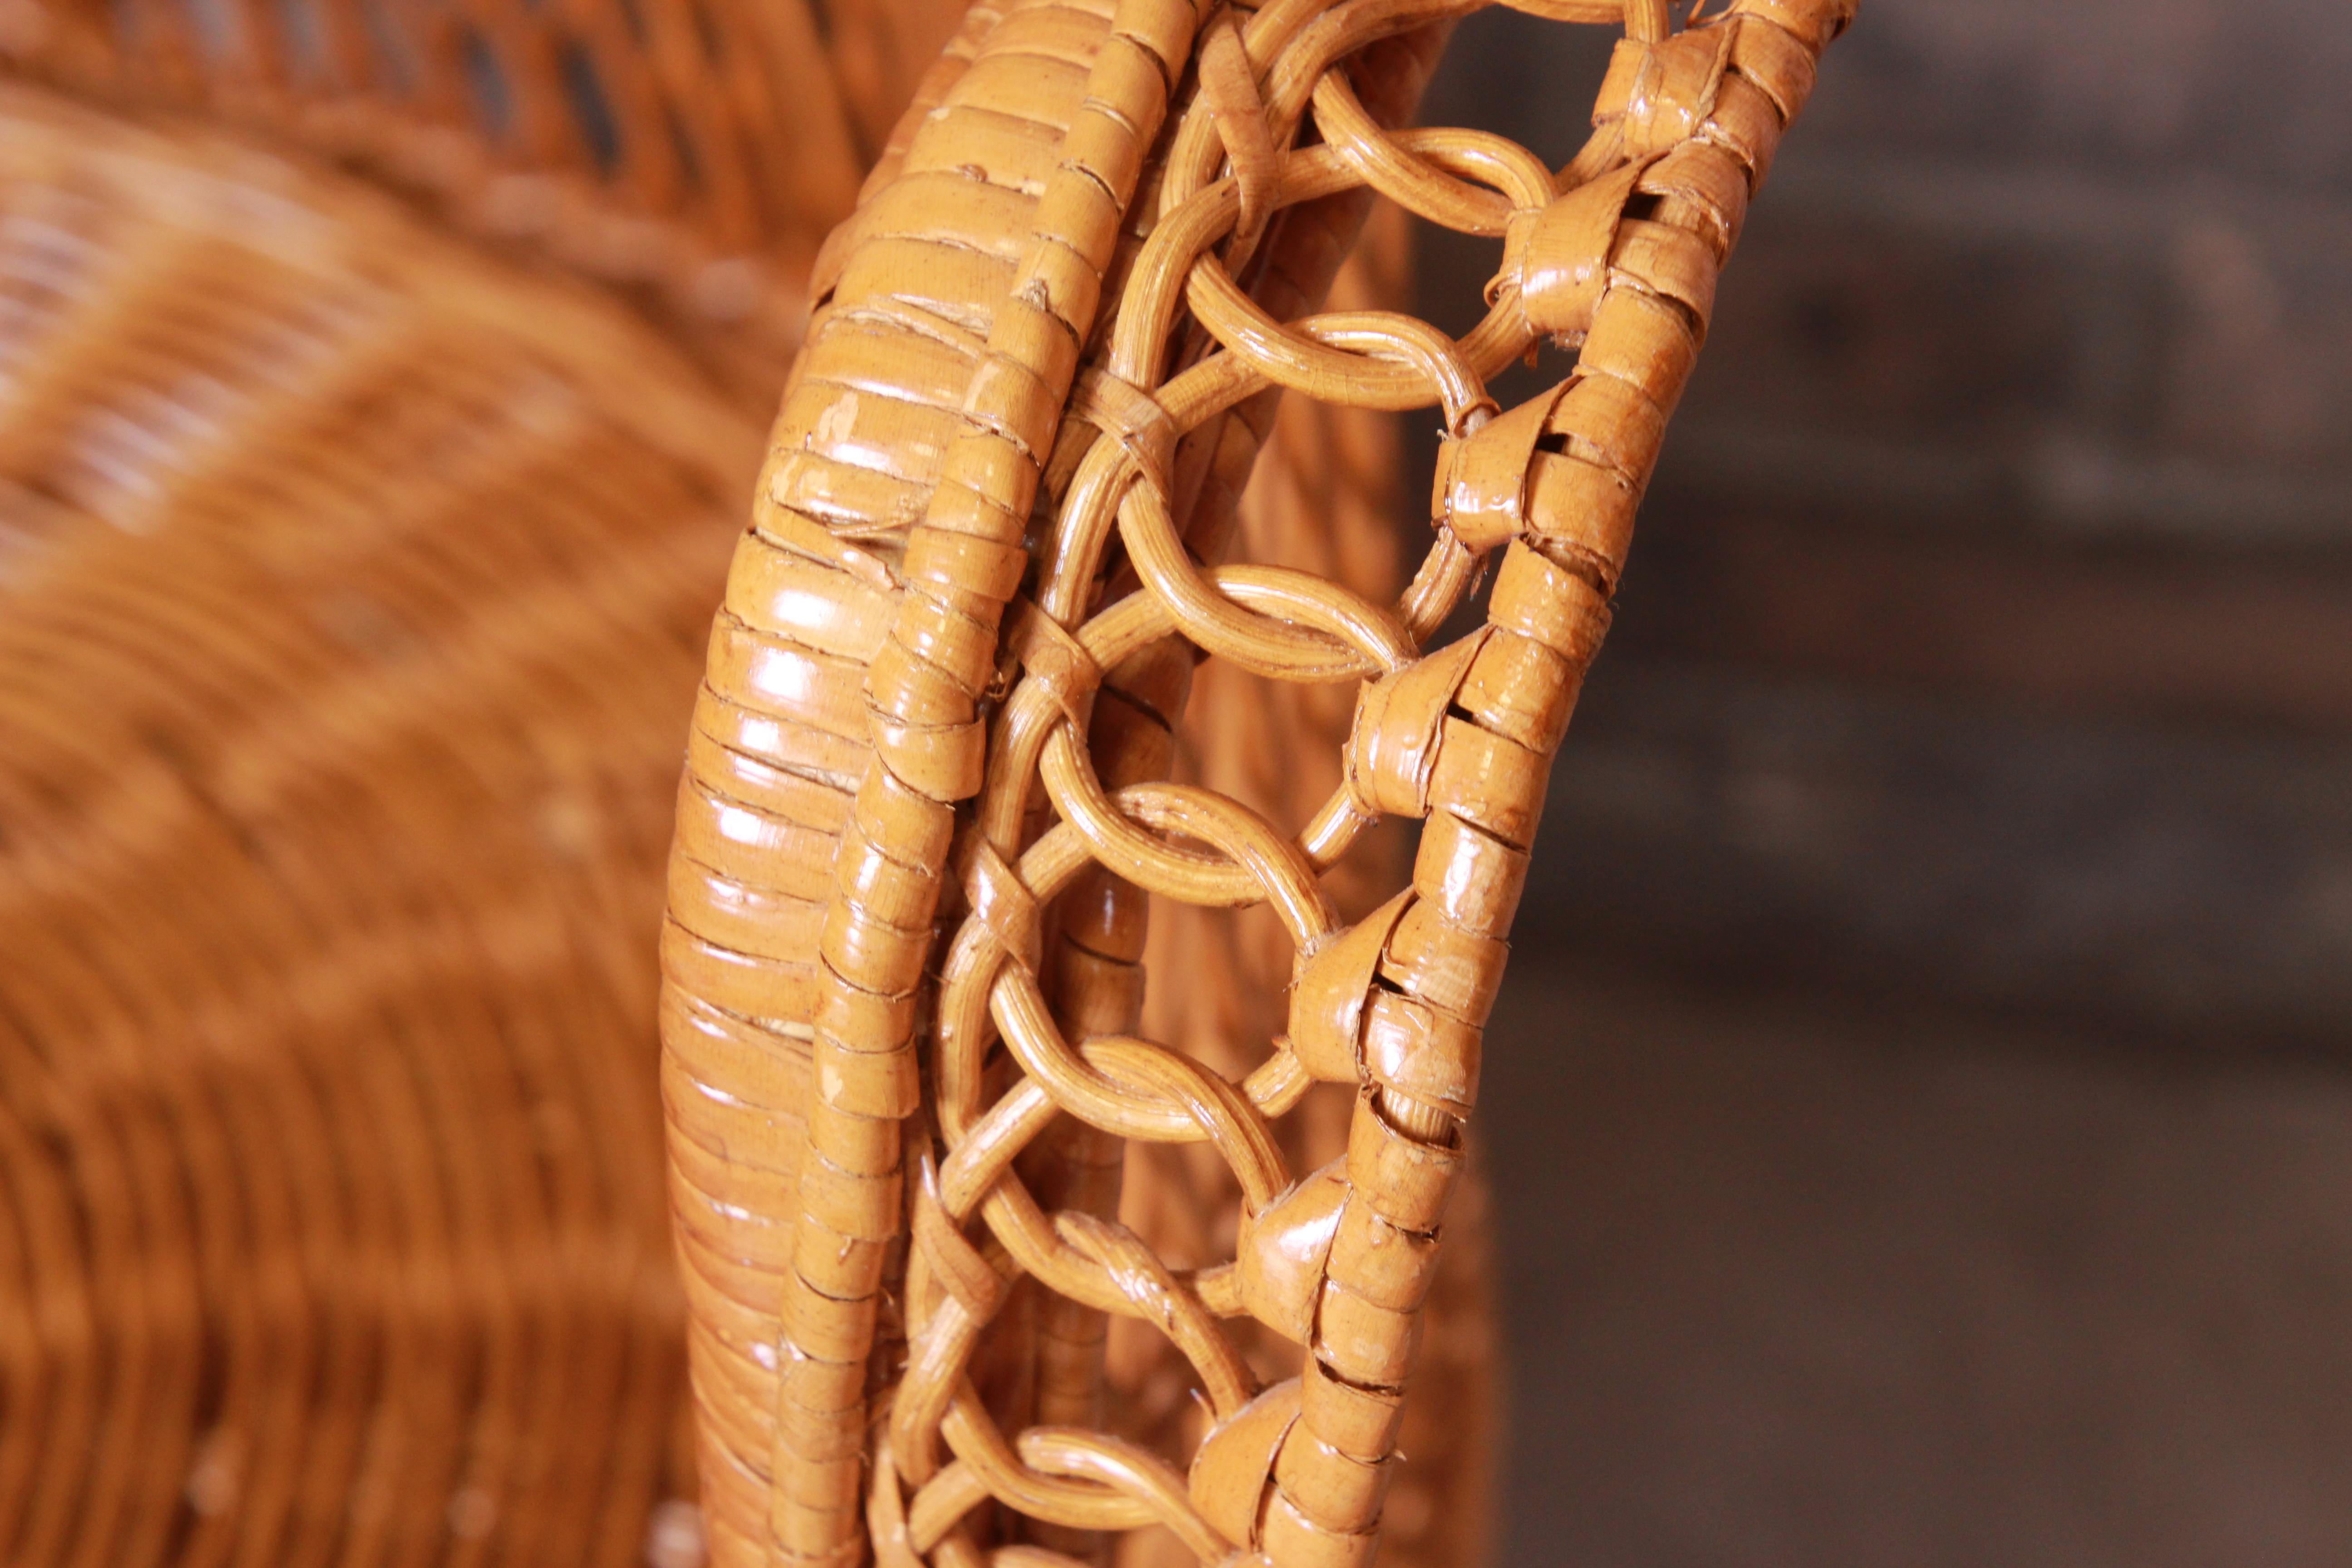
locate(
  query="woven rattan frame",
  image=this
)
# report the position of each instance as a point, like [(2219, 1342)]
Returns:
[(977, 575), (260, 438)]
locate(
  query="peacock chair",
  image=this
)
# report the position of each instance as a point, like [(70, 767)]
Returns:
[(380, 382), (915, 1012)]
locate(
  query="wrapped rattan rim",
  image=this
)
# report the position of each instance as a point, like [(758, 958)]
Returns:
[(923, 818)]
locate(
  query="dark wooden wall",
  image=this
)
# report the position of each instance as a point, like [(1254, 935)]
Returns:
[(1989, 628)]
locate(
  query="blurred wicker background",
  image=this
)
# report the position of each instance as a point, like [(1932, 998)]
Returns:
[(1930, 1087), (692, 152)]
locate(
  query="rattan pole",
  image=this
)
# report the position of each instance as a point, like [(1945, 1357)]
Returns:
[(964, 560)]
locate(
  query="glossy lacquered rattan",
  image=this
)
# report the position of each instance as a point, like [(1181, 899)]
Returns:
[(922, 814)]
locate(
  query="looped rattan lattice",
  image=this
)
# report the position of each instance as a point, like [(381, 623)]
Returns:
[(1104, 308)]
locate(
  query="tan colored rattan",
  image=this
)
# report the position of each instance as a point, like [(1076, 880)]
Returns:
[(1319, 499), (353, 808), (350, 593), (698, 150), (979, 571)]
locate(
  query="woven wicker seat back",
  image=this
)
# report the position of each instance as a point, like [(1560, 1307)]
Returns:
[(925, 814), (350, 595), (697, 149)]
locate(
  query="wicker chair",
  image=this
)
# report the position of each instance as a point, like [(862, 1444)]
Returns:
[(929, 800), (378, 387)]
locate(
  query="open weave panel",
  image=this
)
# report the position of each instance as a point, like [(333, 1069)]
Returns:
[(1322, 496), (925, 808)]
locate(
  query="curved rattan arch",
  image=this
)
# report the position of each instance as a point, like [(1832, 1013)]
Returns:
[(924, 810)]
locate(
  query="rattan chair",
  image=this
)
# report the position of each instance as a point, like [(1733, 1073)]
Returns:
[(933, 787), (378, 387)]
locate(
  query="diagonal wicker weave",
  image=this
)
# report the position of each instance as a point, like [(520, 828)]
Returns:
[(956, 648)]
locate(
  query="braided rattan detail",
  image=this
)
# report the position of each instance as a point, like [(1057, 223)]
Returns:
[(937, 1240), (1317, 501)]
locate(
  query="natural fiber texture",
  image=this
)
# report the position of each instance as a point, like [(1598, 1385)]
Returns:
[(1323, 497), (352, 593), (977, 575), (698, 150), (360, 482)]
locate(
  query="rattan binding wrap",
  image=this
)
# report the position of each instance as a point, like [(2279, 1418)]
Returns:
[(955, 647)]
